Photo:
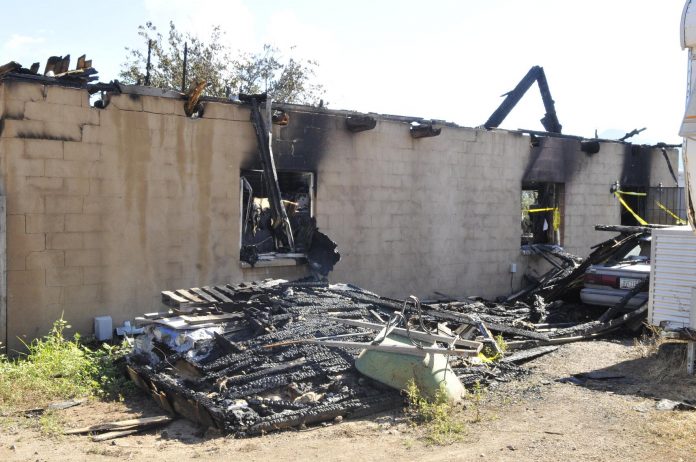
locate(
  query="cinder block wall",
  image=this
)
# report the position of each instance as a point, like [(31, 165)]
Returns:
[(414, 216), (107, 207), (588, 200)]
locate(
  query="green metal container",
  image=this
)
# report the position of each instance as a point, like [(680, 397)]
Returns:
[(396, 370)]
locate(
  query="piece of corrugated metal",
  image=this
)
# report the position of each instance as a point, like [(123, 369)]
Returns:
[(672, 276)]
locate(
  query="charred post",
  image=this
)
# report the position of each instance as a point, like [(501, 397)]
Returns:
[(424, 131)]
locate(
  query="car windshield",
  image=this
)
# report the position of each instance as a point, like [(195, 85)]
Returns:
[(637, 253)]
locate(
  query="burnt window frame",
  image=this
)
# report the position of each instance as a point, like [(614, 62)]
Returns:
[(275, 258)]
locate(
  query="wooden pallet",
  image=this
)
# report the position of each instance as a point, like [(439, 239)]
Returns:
[(188, 299)]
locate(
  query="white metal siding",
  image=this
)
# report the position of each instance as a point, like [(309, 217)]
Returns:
[(672, 276)]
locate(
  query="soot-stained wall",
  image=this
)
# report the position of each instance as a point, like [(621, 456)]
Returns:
[(107, 207)]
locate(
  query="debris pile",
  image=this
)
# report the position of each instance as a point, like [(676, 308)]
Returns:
[(270, 355), (258, 357), (58, 67)]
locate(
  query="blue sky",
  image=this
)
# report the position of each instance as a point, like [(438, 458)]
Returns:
[(611, 65)]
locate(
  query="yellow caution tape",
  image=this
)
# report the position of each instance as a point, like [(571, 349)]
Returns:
[(676, 217), (556, 215), (635, 215), (629, 193)]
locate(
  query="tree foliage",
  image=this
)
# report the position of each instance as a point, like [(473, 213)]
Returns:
[(285, 79)]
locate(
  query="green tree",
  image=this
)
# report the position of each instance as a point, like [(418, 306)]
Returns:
[(286, 79)]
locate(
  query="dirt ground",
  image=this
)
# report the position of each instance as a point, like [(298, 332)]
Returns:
[(546, 416)]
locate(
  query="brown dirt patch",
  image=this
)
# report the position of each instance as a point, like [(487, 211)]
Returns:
[(536, 418)]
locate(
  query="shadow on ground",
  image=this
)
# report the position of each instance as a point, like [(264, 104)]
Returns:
[(657, 371)]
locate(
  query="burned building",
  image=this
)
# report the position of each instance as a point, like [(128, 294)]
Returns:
[(105, 205)]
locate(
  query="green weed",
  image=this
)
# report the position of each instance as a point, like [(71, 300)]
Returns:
[(56, 369), (50, 424), (477, 398), (490, 354), (437, 415)]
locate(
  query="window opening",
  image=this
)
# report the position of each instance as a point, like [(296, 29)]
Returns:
[(259, 240), (542, 209)]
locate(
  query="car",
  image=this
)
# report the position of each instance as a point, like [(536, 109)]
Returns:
[(607, 283)]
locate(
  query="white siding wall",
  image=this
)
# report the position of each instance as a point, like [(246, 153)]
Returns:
[(672, 277)]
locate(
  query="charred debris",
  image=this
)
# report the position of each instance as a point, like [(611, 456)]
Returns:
[(270, 355), (278, 222), (57, 67)]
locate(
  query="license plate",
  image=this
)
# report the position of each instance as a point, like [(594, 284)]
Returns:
[(628, 283)]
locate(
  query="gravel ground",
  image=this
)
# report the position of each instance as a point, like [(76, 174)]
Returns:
[(548, 415)]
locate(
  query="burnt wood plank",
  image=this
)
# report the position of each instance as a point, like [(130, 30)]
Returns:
[(189, 296), (142, 422), (226, 289), (211, 318), (170, 298), (217, 294), (204, 295)]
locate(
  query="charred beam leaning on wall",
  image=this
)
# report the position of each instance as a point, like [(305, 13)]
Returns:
[(669, 165), (360, 123), (278, 213), (549, 121)]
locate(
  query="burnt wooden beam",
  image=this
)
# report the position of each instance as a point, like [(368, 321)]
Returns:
[(621, 304), (130, 424), (590, 146), (360, 123), (424, 131), (64, 65), (10, 67), (529, 354), (80, 62), (632, 133), (34, 68), (51, 64), (628, 229), (281, 223), (535, 74)]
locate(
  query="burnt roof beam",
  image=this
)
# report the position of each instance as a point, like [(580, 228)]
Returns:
[(535, 74)]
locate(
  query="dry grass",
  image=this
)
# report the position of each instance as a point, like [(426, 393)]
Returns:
[(649, 343), (665, 366), (677, 428), (665, 359)]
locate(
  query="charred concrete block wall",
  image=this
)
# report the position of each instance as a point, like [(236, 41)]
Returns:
[(587, 181), (107, 207)]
